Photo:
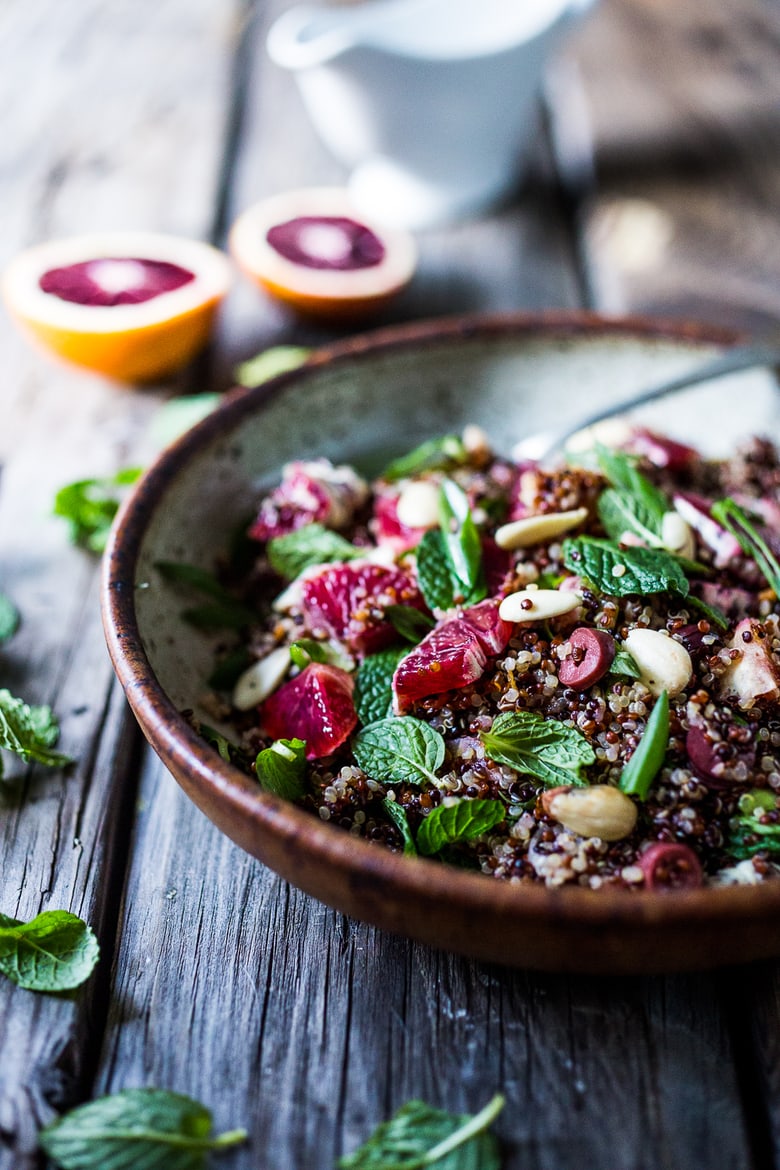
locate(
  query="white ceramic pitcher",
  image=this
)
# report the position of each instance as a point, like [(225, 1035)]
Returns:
[(429, 103)]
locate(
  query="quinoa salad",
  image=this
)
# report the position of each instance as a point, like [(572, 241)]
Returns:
[(561, 675)]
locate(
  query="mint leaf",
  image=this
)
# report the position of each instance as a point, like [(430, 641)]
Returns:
[(728, 513), (448, 823), (29, 732), (306, 650), (399, 751), (272, 361), (749, 836), (373, 693), (56, 951), (545, 748), (397, 814), (621, 512), (647, 502), (281, 768), (434, 575), (137, 1129), (439, 454), (90, 505), (419, 1135), (619, 572), (9, 618), (314, 544), (412, 624), (462, 541), (623, 663), (217, 740), (647, 760), (223, 610)]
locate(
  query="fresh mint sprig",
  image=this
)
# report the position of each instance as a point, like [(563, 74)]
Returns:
[(29, 732), (314, 544), (624, 664), (142, 1129), (373, 694), (409, 623), (440, 454), (641, 770), (462, 541), (54, 952), (397, 814), (400, 751), (550, 750), (632, 503), (434, 573), (619, 572), (448, 824), (735, 519), (281, 768), (418, 1136), (90, 505)]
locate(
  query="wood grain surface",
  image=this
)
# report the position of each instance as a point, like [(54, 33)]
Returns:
[(653, 188)]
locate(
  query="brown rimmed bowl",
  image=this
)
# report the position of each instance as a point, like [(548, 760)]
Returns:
[(361, 401)]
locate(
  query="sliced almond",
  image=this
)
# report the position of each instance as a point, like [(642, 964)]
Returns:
[(532, 530), (598, 811), (418, 504), (537, 605), (677, 535), (664, 665), (260, 679)]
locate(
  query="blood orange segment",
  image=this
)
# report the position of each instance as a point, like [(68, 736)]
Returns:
[(491, 630), (312, 491), (315, 706), (389, 530), (134, 306), (348, 602), (311, 249)]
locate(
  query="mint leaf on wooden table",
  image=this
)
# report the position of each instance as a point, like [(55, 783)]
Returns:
[(438, 454), (281, 768), (728, 513), (418, 1136), (649, 754), (222, 612), (448, 823), (137, 1129), (9, 618), (90, 505), (55, 951), (545, 748), (619, 572), (29, 732), (397, 814), (314, 544), (373, 693), (399, 751)]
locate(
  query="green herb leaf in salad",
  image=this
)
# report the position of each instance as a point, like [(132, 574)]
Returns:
[(29, 732), (624, 664), (418, 1136), (281, 768), (314, 544), (619, 572), (90, 505), (448, 823), (750, 835), (136, 1129), (647, 760), (410, 623), (632, 503), (400, 751), (9, 618), (729, 514), (373, 694), (434, 574), (440, 454), (550, 750), (54, 952), (462, 541), (397, 814)]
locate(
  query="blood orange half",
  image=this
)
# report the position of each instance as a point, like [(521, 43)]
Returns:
[(134, 306), (313, 250)]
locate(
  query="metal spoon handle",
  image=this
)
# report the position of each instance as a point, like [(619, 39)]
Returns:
[(741, 357)]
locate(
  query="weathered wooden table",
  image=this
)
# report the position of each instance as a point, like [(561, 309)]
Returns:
[(655, 187)]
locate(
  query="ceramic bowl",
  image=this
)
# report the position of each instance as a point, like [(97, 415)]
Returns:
[(361, 401)]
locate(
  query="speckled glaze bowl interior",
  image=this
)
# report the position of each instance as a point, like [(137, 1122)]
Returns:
[(359, 402)]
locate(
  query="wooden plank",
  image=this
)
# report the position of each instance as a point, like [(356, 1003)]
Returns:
[(309, 1028), (91, 144), (682, 141)]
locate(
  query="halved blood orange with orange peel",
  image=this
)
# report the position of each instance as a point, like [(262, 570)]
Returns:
[(135, 306), (313, 250)]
